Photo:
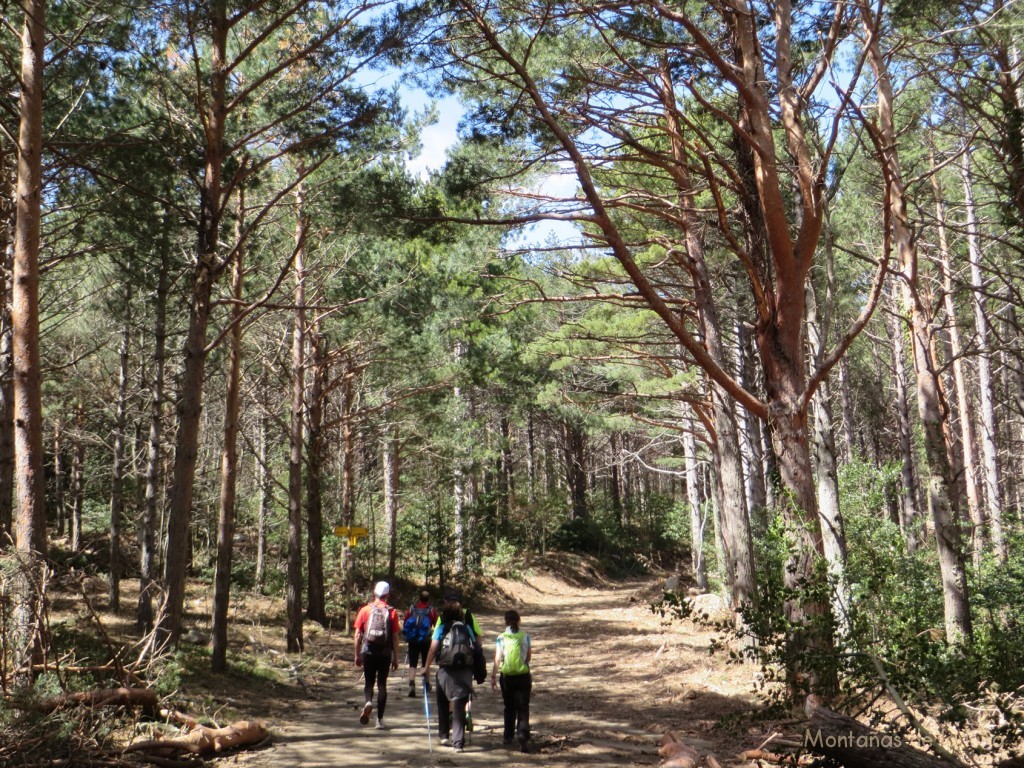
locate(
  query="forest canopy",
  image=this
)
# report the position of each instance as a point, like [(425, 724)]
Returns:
[(768, 332)]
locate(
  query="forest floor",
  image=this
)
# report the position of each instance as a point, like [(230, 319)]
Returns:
[(611, 676)]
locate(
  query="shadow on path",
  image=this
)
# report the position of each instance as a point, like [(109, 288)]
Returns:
[(610, 678)]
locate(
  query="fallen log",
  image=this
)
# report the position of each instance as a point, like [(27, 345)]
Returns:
[(676, 753), (103, 697), (205, 740), (854, 745)]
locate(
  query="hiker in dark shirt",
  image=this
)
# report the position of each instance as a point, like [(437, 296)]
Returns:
[(452, 648)]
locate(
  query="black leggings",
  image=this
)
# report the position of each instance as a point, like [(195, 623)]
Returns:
[(375, 670), (515, 692)]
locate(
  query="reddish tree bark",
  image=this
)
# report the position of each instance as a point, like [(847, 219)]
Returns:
[(30, 522)]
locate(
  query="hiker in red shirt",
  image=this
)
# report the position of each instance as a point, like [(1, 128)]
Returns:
[(376, 649)]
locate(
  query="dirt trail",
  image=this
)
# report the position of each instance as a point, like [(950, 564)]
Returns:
[(610, 677)]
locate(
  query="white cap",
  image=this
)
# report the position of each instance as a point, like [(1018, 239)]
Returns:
[(381, 589)]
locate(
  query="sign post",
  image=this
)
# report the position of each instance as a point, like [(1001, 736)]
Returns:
[(352, 534)]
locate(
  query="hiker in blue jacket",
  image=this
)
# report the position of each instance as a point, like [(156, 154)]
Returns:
[(452, 648), (418, 627)]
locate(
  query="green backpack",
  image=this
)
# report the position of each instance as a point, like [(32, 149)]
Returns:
[(513, 657)]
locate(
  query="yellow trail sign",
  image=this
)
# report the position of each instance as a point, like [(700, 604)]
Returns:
[(354, 533)]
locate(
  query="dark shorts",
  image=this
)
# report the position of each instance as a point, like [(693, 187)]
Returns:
[(418, 652)]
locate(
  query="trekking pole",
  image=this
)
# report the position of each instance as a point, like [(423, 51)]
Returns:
[(426, 708)]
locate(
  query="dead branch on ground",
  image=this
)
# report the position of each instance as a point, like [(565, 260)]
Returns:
[(676, 753), (204, 740)]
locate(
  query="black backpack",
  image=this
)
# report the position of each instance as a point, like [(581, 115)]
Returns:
[(479, 660), (456, 647)]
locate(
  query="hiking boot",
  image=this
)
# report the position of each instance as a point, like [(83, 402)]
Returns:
[(458, 747), (412, 690), (364, 717), (446, 742), (380, 724), (522, 746)]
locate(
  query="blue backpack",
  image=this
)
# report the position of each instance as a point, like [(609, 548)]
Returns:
[(417, 626)]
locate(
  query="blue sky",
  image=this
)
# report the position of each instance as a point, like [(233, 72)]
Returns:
[(436, 139)]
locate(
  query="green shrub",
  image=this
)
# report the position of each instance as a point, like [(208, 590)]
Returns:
[(506, 560), (583, 534)]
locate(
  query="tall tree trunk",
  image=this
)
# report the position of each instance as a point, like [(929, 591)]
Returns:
[(531, 466), (846, 399), (750, 432), (472, 497), (735, 521), (940, 483), (7, 457), (30, 520), (294, 587), (59, 502), (263, 484), (615, 482), (574, 447), (461, 513), (737, 542), (118, 467), (627, 471), (960, 384), (316, 608), (391, 476), (825, 466), (144, 616), (7, 213), (910, 513), (551, 475), (806, 612), (771, 469), (77, 478), (138, 452), (930, 403), (348, 460), (506, 476), (229, 457), (190, 400), (1014, 377), (989, 423), (348, 449), (460, 493), (697, 559)]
